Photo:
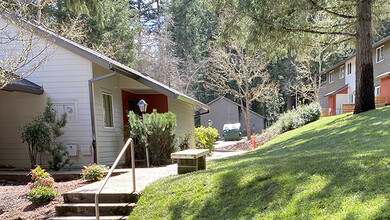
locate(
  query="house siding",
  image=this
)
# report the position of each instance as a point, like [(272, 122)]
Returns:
[(383, 66), (337, 83), (184, 118), (16, 110), (221, 112), (224, 111), (109, 141), (385, 89), (64, 78), (351, 80), (321, 96), (257, 123)]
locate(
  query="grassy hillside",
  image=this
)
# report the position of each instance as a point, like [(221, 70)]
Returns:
[(335, 168)]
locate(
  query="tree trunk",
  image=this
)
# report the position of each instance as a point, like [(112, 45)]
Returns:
[(248, 120), (39, 12), (364, 67), (139, 43)]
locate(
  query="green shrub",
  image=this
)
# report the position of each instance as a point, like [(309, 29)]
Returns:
[(157, 134), (37, 135), (136, 130), (94, 172), (41, 194), (161, 137), (298, 117), (59, 155), (41, 135), (185, 142), (290, 120), (205, 138), (41, 187)]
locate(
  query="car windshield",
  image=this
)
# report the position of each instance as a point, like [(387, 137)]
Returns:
[(235, 126)]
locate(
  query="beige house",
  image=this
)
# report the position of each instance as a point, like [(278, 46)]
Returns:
[(95, 92)]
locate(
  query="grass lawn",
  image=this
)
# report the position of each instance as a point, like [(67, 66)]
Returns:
[(334, 168)]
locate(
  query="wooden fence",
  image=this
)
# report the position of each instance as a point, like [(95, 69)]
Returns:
[(347, 108), (324, 112), (380, 101)]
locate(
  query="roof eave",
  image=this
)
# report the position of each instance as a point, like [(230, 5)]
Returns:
[(25, 89), (381, 76), (157, 87), (336, 91)]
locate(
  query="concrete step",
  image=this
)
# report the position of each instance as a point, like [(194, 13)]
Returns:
[(116, 217), (103, 198), (88, 209)]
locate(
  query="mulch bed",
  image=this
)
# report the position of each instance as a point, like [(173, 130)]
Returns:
[(240, 146), (248, 145), (14, 203)]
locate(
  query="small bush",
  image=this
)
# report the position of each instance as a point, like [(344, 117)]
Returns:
[(41, 194), (290, 120), (185, 142), (94, 172), (40, 177), (157, 134), (296, 118), (59, 155), (205, 138), (41, 187)]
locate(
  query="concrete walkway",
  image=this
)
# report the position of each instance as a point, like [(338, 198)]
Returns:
[(144, 176)]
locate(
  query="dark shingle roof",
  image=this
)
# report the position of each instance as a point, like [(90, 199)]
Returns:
[(23, 85)]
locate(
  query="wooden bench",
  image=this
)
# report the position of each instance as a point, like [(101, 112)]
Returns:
[(190, 160)]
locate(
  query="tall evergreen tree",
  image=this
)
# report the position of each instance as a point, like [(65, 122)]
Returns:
[(288, 24)]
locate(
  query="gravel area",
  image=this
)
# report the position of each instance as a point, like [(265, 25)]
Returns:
[(14, 203)]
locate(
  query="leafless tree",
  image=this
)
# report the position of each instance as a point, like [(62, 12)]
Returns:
[(158, 60), (242, 74), (309, 68), (22, 49)]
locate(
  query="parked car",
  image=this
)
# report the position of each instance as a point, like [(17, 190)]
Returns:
[(232, 131)]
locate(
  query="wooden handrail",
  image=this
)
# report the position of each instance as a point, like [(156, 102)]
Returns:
[(129, 141)]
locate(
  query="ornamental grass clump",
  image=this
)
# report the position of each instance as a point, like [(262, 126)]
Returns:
[(41, 187), (94, 172)]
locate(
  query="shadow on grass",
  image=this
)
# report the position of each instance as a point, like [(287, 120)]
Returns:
[(338, 170)]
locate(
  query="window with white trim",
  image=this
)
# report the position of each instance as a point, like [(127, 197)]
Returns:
[(108, 117), (342, 72), (331, 77), (377, 91), (379, 54), (349, 68)]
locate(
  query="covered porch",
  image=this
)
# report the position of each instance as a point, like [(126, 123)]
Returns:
[(123, 91)]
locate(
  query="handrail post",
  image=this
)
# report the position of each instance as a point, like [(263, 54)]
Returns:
[(131, 142), (133, 162)]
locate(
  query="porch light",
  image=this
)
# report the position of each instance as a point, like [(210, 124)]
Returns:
[(210, 122), (142, 106)]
